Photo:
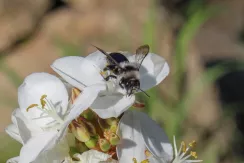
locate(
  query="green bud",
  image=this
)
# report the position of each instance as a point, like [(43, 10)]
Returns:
[(113, 128), (91, 143), (104, 145), (112, 121), (80, 146), (80, 131), (114, 139), (103, 124), (88, 114)]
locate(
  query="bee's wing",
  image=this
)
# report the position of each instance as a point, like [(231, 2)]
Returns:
[(108, 56), (141, 54)]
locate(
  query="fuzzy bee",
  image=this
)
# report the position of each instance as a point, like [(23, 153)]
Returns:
[(126, 73)]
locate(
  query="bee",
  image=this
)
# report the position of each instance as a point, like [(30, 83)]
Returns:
[(125, 72)]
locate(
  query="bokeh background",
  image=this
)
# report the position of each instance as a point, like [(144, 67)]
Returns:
[(202, 40)]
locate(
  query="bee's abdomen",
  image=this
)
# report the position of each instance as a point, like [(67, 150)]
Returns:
[(118, 57)]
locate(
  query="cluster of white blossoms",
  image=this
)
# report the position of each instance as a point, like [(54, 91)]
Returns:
[(82, 118)]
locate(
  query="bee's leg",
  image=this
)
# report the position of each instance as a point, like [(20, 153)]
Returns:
[(109, 67), (110, 76), (121, 85)]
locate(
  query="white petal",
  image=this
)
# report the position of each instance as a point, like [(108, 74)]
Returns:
[(155, 138), (156, 160), (153, 70), (92, 156), (85, 99), (13, 160), (77, 71), (25, 128), (98, 59), (33, 148), (36, 85), (13, 131), (132, 143), (112, 106)]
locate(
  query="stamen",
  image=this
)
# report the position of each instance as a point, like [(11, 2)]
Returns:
[(31, 106), (183, 146), (193, 144), (144, 161), (147, 153), (134, 160), (43, 102), (48, 108), (193, 154)]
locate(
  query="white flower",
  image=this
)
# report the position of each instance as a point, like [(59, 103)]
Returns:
[(84, 72), (41, 121), (141, 136), (143, 141)]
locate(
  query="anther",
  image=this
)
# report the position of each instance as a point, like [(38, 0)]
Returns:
[(43, 102), (134, 160), (31, 106), (193, 154), (145, 161), (193, 144), (147, 153)]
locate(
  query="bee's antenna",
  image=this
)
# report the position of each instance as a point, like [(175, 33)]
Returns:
[(144, 92)]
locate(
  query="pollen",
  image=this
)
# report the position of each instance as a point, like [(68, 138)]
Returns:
[(43, 102), (31, 106), (183, 146), (147, 153), (193, 144), (134, 160), (74, 94), (144, 161), (193, 154)]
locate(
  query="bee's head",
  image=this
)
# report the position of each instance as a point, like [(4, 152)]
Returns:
[(132, 85)]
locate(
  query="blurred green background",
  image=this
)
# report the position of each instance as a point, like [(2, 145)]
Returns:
[(202, 40)]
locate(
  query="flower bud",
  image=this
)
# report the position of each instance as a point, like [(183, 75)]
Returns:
[(111, 121), (89, 126), (88, 114), (104, 145), (114, 139), (113, 128), (103, 124), (80, 131), (91, 143), (74, 94), (80, 146)]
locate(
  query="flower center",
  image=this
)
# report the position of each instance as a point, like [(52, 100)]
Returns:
[(185, 152), (92, 132), (46, 106)]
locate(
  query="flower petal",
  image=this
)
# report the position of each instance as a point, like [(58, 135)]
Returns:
[(36, 149), (85, 100), (155, 138), (25, 128), (30, 92), (13, 160), (13, 131), (108, 106), (92, 156), (77, 71), (153, 70), (31, 150), (98, 58), (132, 143)]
